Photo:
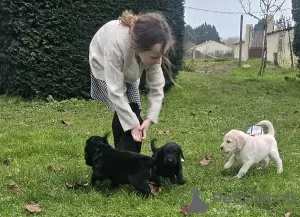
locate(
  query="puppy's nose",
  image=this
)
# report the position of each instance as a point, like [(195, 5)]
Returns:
[(170, 160), (221, 148)]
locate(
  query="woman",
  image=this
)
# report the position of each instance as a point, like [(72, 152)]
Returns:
[(119, 52)]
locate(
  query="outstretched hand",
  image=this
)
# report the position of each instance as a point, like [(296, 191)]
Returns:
[(136, 133), (144, 127)]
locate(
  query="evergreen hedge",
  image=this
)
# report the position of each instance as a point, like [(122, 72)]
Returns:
[(44, 44), (296, 17)]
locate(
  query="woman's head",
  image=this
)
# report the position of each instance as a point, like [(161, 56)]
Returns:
[(151, 37)]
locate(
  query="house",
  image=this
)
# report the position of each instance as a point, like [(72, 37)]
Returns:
[(213, 48), (279, 44)]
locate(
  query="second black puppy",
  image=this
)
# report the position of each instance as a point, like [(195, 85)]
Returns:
[(168, 162), (121, 167)]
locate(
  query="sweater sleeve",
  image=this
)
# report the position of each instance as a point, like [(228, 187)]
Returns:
[(155, 81), (114, 78)]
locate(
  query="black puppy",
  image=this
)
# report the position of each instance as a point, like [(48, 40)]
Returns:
[(123, 140), (168, 162), (120, 167)]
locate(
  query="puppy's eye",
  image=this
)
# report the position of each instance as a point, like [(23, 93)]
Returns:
[(228, 141)]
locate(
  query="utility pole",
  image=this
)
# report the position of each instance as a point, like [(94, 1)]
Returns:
[(241, 41)]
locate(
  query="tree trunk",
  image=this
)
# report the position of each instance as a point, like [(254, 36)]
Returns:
[(263, 61), (265, 51)]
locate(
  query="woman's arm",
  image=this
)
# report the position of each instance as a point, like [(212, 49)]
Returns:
[(155, 81), (114, 78)]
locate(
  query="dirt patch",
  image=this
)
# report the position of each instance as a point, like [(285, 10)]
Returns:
[(216, 67)]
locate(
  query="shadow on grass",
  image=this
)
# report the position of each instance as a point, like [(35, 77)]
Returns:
[(105, 189)]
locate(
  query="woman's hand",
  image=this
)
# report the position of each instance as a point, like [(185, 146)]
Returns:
[(136, 133), (144, 127)]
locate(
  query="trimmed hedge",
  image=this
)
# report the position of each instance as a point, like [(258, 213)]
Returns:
[(44, 44), (296, 17)]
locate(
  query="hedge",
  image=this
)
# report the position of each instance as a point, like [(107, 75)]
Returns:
[(44, 44)]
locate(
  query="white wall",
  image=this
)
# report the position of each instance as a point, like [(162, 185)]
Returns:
[(279, 42), (236, 50), (212, 47), (276, 42)]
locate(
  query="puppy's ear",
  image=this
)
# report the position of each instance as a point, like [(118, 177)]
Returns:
[(241, 141), (160, 153), (181, 154)]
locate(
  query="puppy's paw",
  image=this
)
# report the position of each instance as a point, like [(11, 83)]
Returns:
[(145, 195), (227, 165), (173, 180), (181, 182), (280, 170), (238, 176), (113, 185)]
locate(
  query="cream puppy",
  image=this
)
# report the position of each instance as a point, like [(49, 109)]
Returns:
[(251, 149)]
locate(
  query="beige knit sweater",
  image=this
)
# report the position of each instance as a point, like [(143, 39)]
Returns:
[(113, 61)]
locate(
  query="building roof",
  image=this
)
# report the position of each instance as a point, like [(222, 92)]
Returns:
[(210, 41), (280, 30), (238, 42)]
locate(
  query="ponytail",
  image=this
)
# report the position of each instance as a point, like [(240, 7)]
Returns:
[(128, 19)]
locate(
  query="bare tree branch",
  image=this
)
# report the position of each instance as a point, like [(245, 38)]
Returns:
[(278, 7), (262, 5), (268, 7), (192, 36), (249, 11)]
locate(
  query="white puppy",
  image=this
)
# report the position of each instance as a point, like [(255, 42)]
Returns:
[(251, 149)]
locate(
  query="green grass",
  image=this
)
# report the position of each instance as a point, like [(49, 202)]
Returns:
[(32, 135)]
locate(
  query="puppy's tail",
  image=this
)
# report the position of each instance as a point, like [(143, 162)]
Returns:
[(153, 141), (267, 123)]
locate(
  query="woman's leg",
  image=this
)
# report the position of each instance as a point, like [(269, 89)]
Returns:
[(117, 129), (99, 92), (124, 140)]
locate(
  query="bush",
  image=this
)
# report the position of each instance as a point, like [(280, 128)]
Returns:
[(296, 17), (189, 66), (44, 44)]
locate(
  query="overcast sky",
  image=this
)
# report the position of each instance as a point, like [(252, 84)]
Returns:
[(227, 25)]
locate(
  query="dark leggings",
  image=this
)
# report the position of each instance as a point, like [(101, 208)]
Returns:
[(123, 140)]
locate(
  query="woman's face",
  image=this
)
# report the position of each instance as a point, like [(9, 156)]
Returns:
[(153, 56)]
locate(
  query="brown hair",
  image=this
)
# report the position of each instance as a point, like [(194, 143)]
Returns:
[(147, 30)]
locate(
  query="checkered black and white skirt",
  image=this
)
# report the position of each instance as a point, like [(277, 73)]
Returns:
[(99, 92)]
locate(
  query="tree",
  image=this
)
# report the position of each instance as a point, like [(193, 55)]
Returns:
[(199, 35), (230, 40), (281, 22), (296, 17), (268, 7), (260, 24), (44, 44), (189, 34), (206, 32)]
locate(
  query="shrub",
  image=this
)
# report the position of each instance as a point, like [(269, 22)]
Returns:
[(44, 44)]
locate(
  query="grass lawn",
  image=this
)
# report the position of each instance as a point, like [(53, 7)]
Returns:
[(41, 154)]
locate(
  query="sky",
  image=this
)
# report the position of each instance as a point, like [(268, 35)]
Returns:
[(228, 25)]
